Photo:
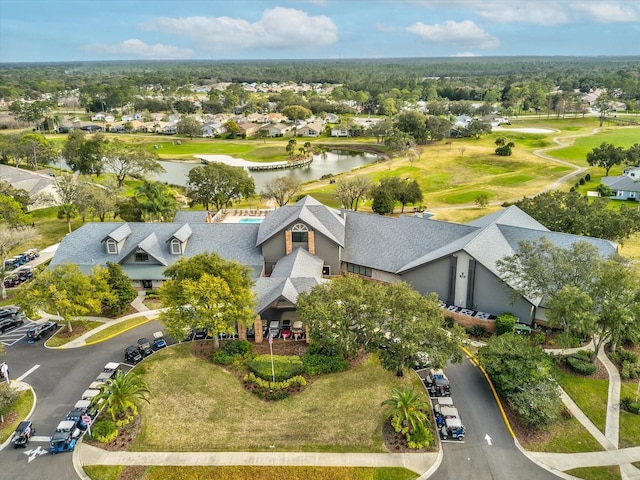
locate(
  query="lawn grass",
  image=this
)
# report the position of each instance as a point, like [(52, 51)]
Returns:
[(22, 406), (117, 328), (629, 435), (566, 436), (336, 413), (102, 472), (596, 473), (589, 394), (98, 472), (80, 327)]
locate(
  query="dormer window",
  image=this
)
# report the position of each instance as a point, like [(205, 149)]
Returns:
[(112, 246), (300, 233), (141, 256), (176, 247)]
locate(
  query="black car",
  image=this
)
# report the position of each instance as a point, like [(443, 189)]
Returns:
[(10, 323), (199, 334), (145, 347), (132, 354), (23, 433), (41, 330)]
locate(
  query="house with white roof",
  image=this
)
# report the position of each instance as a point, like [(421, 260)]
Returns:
[(301, 245)]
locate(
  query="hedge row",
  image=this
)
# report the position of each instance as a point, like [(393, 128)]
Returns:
[(316, 364), (579, 363)]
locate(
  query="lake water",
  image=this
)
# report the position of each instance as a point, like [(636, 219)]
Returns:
[(330, 163)]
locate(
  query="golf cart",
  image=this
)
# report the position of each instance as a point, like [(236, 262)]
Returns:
[(445, 413), (452, 428), (132, 355), (158, 340), (437, 383), (76, 417), (23, 433), (62, 442), (145, 347), (442, 402)]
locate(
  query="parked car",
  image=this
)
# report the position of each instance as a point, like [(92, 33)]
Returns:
[(199, 334), (12, 281), (41, 330), (10, 323), (23, 434), (158, 340), (132, 355), (25, 273), (145, 347)]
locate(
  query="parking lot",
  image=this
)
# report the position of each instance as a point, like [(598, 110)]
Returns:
[(17, 334)]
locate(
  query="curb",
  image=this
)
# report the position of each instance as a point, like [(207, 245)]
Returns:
[(33, 407), (86, 344)]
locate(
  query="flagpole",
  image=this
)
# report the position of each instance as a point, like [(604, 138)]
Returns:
[(273, 372)]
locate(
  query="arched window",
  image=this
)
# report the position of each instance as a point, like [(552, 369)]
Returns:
[(300, 233), (176, 246), (112, 246)]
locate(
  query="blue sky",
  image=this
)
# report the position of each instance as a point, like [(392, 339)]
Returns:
[(69, 30)]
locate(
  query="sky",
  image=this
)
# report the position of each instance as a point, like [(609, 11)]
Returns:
[(80, 30)]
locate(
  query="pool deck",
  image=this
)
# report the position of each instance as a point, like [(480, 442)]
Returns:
[(243, 216)]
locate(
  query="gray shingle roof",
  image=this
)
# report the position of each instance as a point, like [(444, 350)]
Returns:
[(509, 216), (298, 264), (191, 216), (270, 289), (235, 242), (622, 182), (120, 233), (320, 218), (183, 233), (389, 244)]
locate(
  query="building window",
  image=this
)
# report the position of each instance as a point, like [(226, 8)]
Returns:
[(112, 246), (358, 270), (299, 233), (142, 256), (176, 247)]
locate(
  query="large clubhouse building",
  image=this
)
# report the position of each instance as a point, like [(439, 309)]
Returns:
[(298, 246)]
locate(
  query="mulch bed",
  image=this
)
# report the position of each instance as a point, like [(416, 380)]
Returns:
[(78, 330), (132, 472), (126, 436), (9, 418), (396, 442)]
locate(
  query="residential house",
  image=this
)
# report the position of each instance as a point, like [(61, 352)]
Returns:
[(311, 130), (625, 186), (276, 130), (340, 131), (297, 245), (249, 129), (39, 186)]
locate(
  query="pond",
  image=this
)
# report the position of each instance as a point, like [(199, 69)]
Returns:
[(329, 163)]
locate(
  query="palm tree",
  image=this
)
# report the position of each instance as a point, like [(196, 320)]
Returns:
[(122, 392), (291, 147), (407, 409)]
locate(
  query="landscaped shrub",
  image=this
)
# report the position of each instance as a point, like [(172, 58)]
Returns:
[(538, 338), (222, 358), (505, 323), (284, 366), (578, 364), (630, 370), (104, 431), (273, 390), (233, 351), (628, 404), (582, 181), (315, 364), (587, 177), (623, 355), (567, 340), (478, 331), (449, 321)]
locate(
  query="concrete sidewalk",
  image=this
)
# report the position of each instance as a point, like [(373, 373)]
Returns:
[(416, 462)]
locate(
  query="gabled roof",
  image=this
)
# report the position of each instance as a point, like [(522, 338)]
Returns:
[(120, 233), (509, 216), (232, 241), (183, 233), (390, 244), (622, 182), (320, 218), (298, 264)]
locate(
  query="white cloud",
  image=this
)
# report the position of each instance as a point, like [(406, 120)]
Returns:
[(134, 48), (545, 13), (381, 27), (321, 3), (465, 54), (607, 12), (455, 33), (277, 28)]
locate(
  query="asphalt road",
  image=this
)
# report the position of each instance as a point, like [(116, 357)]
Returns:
[(478, 458), (59, 381)]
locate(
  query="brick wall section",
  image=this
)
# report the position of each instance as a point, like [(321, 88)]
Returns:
[(467, 322), (311, 239), (288, 242)]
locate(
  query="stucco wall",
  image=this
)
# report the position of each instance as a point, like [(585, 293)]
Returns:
[(432, 277)]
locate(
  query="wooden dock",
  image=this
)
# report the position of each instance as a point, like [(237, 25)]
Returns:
[(280, 165)]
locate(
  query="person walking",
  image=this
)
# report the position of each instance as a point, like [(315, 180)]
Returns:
[(4, 369)]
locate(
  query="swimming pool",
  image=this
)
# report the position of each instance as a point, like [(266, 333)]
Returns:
[(251, 220)]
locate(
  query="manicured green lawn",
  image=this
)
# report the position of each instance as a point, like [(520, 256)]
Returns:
[(98, 472), (22, 407), (338, 412), (589, 394), (80, 327), (596, 473), (117, 328), (565, 436), (629, 422)]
